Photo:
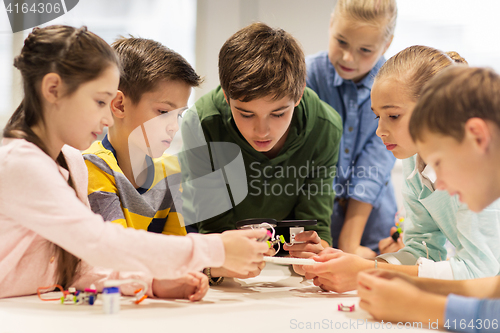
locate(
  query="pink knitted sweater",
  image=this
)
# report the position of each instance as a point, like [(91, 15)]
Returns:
[(38, 207)]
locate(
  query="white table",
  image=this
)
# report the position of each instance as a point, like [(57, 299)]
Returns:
[(276, 301)]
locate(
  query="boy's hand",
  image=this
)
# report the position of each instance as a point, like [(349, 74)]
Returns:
[(386, 299), (395, 299), (193, 286), (310, 248), (391, 275)]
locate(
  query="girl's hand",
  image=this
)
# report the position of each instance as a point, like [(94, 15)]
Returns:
[(365, 252), (337, 270), (388, 245), (193, 286), (221, 271), (243, 253)]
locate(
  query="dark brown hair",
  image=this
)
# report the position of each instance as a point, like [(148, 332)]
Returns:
[(416, 65), (77, 56), (454, 96), (146, 62), (259, 61)]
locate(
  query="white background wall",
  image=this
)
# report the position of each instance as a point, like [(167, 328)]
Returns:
[(198, 28), (171, 22), (469, 27), (217, 20)]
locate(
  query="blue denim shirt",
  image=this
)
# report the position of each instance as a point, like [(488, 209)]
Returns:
[(364, 165)]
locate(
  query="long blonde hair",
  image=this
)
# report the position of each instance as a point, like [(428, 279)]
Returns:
[(416, 65), (369, 11)]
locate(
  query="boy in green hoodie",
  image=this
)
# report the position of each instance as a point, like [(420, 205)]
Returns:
[(272, 141)]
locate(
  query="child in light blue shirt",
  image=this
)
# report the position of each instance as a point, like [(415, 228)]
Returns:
[(456, 127), (432, 216)]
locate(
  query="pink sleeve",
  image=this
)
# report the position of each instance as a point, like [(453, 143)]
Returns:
[(35, 196)]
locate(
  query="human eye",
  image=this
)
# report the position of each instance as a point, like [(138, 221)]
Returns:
[(278, 115), (163, 111), (341, 42), (101, 103), (377, 117), (364, 50), (394, 116), (246, 115)]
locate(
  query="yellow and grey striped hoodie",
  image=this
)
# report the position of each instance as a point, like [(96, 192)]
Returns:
[(155, 207)]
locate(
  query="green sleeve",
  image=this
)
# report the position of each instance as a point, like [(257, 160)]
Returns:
[(316, 199)]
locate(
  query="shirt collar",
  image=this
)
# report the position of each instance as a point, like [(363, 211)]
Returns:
[(425, 173), (367, 81), (149, 161), (106, 144)]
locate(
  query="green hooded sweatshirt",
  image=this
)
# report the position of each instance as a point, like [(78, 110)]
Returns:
[(296, 184)]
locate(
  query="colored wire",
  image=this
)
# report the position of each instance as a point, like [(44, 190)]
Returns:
[(51, 288)]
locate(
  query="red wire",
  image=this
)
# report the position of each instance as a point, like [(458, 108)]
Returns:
[(50, 288)]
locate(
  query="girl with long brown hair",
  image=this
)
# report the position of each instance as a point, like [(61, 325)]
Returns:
[(48, 234)]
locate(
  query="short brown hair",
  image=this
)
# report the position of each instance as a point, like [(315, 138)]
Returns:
[(370, 11), (146, 62), (259, 61), (454, 96), (416, 65)]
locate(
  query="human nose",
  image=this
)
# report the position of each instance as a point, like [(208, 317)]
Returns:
[(107, 119), (347, 56), (381, 129), (173, 124), (261, 128)]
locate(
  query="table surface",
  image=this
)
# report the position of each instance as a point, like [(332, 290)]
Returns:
[(276, 301)]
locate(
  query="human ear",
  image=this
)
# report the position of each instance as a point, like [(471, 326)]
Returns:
[(117, 107), (477, 129), (51, 87)]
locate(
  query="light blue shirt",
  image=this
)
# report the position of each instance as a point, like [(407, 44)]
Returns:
[(472, 315), (434, 216), (364, 165)]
